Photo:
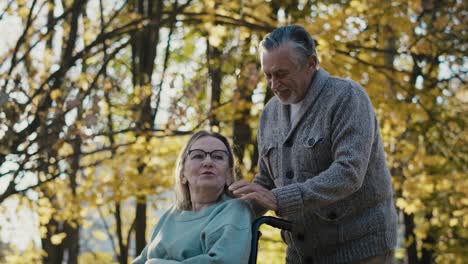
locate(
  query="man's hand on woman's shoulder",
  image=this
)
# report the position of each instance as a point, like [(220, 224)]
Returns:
[(254, 192)]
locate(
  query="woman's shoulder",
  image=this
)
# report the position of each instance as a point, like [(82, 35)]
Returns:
[(235, 209), (230, 201), (232, 213)]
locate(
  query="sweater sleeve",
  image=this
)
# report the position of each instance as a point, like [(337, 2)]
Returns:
[(227, 244), (352, 134)]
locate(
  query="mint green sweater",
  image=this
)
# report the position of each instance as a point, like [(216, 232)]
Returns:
[(220, 233)]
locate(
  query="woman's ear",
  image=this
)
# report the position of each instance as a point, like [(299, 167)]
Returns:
[(229, 181)]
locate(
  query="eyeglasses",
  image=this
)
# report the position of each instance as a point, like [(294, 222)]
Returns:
[(215, 155)]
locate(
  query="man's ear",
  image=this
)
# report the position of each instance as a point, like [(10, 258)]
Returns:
[(313, 62)]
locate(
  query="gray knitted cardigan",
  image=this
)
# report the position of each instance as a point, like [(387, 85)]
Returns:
[(327, 171)]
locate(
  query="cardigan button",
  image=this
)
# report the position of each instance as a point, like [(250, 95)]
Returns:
[(290, 174), (332, 216), (300, 236), (310, 142)]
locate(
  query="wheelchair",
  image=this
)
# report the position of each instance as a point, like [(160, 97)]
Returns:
[(256, 234)]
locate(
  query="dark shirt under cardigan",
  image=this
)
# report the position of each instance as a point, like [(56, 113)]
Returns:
[(328, 173)]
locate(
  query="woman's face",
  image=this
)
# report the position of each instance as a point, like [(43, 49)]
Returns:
[(207, 165)]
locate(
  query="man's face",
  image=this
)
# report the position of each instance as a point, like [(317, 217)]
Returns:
[(288, 81)]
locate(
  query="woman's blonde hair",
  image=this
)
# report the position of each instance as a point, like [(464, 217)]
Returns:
[(182, 191)]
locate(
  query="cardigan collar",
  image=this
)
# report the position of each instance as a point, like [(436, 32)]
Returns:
[(315, 88)]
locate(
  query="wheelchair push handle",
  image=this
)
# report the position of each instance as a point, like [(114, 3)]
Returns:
[(274, 222), (256, 234)]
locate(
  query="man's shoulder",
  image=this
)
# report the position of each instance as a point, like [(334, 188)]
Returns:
[(345, 87), (271, 110), (273, 103), (342, 82)]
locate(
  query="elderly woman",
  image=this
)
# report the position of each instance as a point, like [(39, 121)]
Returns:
[(206, 225)]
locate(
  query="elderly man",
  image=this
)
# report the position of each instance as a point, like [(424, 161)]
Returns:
[(322, 162)]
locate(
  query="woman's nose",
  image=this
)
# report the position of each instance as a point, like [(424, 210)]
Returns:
[(207, 161)]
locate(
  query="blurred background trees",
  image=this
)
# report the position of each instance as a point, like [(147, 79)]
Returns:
[(97, 97)]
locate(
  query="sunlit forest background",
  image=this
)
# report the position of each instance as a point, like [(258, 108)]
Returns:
[(98, 96)]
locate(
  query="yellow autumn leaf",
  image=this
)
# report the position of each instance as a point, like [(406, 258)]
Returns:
[(99, 235), (216, 35), (422, 47), (146, 90), (23, 12), (55, 94), (457, 213), (421, 230), (58, 238), (453, 222), (464, 201), (65, 150), (88, 36), (43, 231), (355, 3), (401, 203), (95, 257), (48, 56)]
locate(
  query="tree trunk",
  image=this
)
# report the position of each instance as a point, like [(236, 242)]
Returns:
[(246, 83), (123, 248), (144, 52), (71, 242), (411, 249), (51, 134), (54, 252), (72, 245), (140, 224), (213, 55)]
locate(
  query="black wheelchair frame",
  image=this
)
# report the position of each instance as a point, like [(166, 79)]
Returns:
[(256, 234)]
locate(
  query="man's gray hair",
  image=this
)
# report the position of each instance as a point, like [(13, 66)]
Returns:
[(302, 43)]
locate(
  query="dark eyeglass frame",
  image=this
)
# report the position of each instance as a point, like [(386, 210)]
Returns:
[(206, 153)]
